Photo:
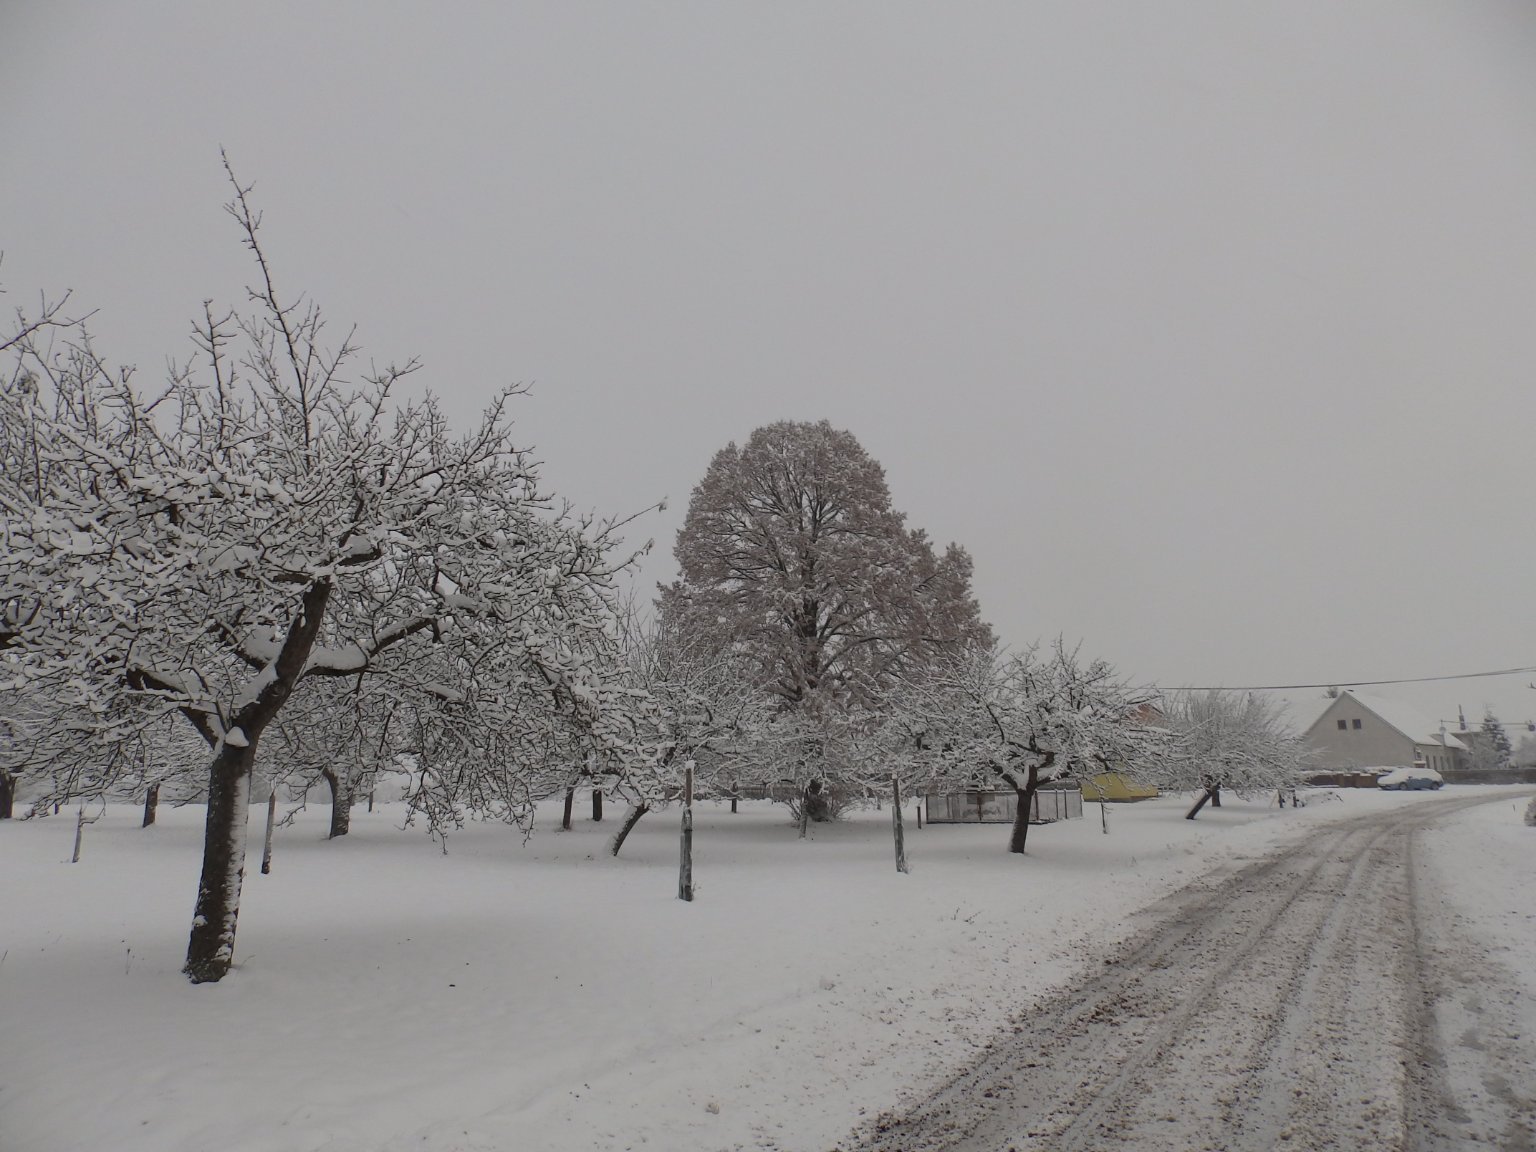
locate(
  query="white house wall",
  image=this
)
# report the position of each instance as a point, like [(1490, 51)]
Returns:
[(1374, 744)]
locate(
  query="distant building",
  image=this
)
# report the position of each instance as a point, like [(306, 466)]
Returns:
[(1357, 731)]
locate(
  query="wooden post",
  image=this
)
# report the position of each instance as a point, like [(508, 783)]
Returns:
[(370, 799), (570, 799), (685, 854), (79, 834), (919, 812), (597, 805), (896, 829), (266, 849)]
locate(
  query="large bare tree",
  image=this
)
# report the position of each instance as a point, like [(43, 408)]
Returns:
[(792, 558)]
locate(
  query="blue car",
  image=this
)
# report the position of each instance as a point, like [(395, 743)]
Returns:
[(1410, 780)]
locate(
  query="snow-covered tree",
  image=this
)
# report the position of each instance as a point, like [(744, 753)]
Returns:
[(1492, 750), (792, 557), (1227, 740), (693, 704), (213, 548), (1524, 755), (1028, 718), (344, 733)]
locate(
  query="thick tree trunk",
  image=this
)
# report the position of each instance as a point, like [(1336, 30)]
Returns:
[(7, 796), (896, 829), (1026, 800), (342, 795), (151, 805), (1213, 794), (625, 828), (818, 806), (570, 801), (597, 805), (211, 948)]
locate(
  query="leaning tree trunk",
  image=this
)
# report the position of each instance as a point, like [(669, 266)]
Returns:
[(151, 805), (1026, 800), (7, 796), (1213, 794), (211, 949), (343, 793), (625, 828)]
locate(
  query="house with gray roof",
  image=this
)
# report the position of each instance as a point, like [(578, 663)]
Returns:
[(1358, 731)]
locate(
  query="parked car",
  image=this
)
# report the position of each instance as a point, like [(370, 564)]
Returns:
[(1410, 780)]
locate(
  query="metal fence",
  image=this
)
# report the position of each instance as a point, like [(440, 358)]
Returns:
[(988, 807)]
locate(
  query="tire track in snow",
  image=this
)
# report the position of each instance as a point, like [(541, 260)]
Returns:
[(1278, 1008)]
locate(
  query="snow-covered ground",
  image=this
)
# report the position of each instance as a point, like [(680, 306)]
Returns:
[(546, 996)]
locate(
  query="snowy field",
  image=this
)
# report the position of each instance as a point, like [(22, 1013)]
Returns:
[(519, 996)]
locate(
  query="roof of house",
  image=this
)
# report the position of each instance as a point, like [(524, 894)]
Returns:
[(1405, 718)]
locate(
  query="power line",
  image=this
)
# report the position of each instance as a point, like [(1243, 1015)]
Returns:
[(1355, 683)]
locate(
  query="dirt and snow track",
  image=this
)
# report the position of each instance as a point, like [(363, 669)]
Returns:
[(1305, 1002)]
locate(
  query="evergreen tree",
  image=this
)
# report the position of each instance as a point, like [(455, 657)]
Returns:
[(1494, 748)]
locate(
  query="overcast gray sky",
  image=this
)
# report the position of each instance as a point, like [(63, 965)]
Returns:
[(1208, 328)]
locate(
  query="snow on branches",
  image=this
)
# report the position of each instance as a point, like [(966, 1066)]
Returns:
[(1027, 717), (217, 547), (1232, 740)]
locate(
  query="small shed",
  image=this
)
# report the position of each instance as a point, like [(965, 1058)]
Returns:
[(1055, 801)]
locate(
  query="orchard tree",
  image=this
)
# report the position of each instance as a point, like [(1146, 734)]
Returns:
[(694, 703), (1233, 740), (1028, 718), (64, 752), (344, 733), (215, 547), (792, 557)]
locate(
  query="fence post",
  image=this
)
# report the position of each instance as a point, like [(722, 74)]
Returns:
[(685, 851), (266, 850)]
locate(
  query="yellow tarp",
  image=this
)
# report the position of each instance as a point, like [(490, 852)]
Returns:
[(1115, 786)]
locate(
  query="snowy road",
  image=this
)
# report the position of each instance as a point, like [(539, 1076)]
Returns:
[(1315, 1000)]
